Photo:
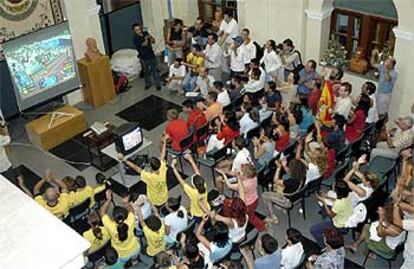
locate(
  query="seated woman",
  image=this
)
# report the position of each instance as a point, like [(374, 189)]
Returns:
[(281, 132), (249, 120), (97, 235), (293, 251), (318, 160), (121, 228), (154, 232), (382, 235), (332, 255), (263, 148), (176, 221), (307, 117), (192, 257), (356, 121), (228, 128), (294, 117), (220, 244), (293, 180)]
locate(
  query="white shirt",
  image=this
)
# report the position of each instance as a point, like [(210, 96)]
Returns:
[(246, 123), (271, 61), (262, 76), (203, 84), (343, 106), (355, 198), (176, 223), (232, 28), (408, 225), (213, 53), (237, 62), (237, 233), (177, 72), (292, 60), (242, 157), (253, 86), (291, 256), (250, 49), (224, 98), (372, 116), (5, 164), (312, 173)]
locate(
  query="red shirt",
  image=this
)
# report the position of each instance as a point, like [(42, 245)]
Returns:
[(331, 163), (282, 142), (313, 100), (228, 134), (177, 130), (354, 130), (196, 118)]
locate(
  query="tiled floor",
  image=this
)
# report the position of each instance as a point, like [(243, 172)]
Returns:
[(38, 161)]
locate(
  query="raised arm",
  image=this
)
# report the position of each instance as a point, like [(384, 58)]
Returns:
[(140, 217), (23, 186), (355, 167), (128, 204), (61, 184), (199, 233), (38, 186), (105, 206), (164, 147), (247, 258), (130, 164), (176, 173)]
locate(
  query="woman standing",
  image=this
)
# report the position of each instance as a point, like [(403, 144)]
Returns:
[(272, 62), (175, 41)]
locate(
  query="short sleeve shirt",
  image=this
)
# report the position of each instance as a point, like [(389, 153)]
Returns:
[(61, 209), (157, 190)]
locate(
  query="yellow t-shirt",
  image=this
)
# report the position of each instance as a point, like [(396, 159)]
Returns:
[(61, 209), (343, 210), (155, 240), (99, 188), (195, 197), (96, 243), (78, 197), (195, 60), (157, 189), (125, 248)]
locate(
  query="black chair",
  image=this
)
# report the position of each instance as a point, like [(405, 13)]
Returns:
[(98, 254), (313, 187), (343, 154), (80, 211), (356, 145), (338, 173), (201, 133), (100, 198), (380, 124), (368, 129), (298, 197), (185, 144), (250, 241), (213, 157), (289, 151), (266, 122), (254, 132)]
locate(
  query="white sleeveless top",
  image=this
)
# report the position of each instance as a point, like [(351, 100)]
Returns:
[(238, 233)]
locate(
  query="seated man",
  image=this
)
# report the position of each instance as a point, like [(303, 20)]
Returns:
[(82, 192), (307, 76), (56, 203), (204, 83), (223, 96), (196, 117), (193, 62), (397, 140), (236, 88), (254, 85), (214, 108), (271, 258), (176, 129), (176, 76)]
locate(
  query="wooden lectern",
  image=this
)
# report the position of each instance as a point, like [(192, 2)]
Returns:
[(97, 79)]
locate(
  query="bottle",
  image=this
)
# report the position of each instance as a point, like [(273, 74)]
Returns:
[(269, 187)]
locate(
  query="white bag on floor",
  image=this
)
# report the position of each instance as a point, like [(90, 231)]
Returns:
[(125, 62)]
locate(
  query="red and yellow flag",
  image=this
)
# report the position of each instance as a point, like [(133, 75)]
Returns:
[(326, 103)]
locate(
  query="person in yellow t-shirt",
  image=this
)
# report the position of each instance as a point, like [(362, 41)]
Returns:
[(154, 232), (121, 229), (82, 193), (97, 235), (156, 179), (55, 203), (194, 61), (197, 193)]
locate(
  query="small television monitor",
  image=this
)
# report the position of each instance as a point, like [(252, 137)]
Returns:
[(128, 138)]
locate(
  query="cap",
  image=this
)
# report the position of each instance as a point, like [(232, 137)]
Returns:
[(238, 40)]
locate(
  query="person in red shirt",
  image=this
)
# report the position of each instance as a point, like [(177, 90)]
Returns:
[(228, 130), (314, 96), (282, 131), (196, 117), (330, 143), (176, 129), (356, 121)]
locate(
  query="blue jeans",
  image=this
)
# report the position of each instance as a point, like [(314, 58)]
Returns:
[(189, 82), (151, 71), (317, 231)]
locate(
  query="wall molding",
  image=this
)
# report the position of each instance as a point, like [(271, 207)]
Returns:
[(403, 34), (319, 16)]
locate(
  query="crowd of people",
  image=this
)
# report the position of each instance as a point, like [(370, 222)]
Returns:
[(276, 115)]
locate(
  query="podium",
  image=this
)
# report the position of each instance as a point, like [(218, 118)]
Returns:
[(97, 79), (56, 127)]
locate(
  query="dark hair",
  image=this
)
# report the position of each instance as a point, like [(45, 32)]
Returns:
[(272, 85), (338, 75), (294, 235), (297, 170), (393, 62), (313, 64), (162, 260), (212, 96), (333, 238), (199, 183), (176, 22), (255, 61), (80, 182), (340, 121), (288, 42), (371, 88), (111, 256), (246, 30), (364, 103), (214, 36), (179, 60), (100, 178), (191, 251), (233, 123), (283, 120), (94, 221), (197, 47), (120, 214), (303, 99), (239, 142), (174, 204), (256, 72), (153, 223), (228, 12), (272, 44), (136, 25), (218, 84), (220, 234), (341, 189), (237, 78), (188, 103), (318, 83), (269, 243), (155, 164), (348, 86)]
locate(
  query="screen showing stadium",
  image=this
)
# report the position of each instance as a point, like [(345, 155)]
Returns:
[(42, 65)]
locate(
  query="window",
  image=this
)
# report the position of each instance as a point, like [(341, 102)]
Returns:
[(207, 8), (366, 31)]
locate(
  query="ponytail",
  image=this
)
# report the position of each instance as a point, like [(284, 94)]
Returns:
[(122, 230), (180, 214)]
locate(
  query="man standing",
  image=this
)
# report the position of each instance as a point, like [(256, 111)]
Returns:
[(212, 57), (343, 103), (238, 56), (387, 77), (229, 28), (306, 78), (142, 42), (248, 45)]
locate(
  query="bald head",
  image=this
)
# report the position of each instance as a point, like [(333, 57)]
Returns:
[(51, 195)]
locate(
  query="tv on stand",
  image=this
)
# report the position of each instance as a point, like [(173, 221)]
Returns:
[(128, 138)]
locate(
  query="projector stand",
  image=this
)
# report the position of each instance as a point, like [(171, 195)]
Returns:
[(56, 115)]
